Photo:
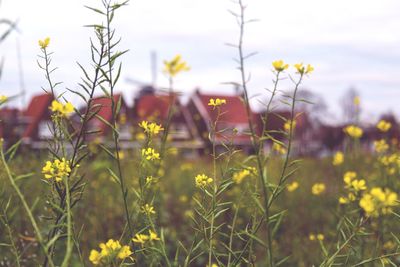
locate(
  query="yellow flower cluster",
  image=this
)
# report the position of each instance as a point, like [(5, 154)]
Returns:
[(3, 99), (353, 131), (148, 209), (44, 43), (288, 124), (292, 186), (239, 176), (301, 69), (57, 170), (318, 189), (150, 154), (109, 252), (60, 109), (150, 128), (356, 100), (381, 146), (384, 126), (142, 238), (175, 66), (338, 159), (378, 202), (279, 148), (314, 237), (216, 102), (354, 187), (279, 65), (203, 180)]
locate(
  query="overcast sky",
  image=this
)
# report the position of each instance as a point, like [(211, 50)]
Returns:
[(351, 44)]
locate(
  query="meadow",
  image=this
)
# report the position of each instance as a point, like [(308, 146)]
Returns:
[(83, 203)]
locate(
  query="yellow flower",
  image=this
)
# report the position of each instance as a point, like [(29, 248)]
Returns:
[(343, 200), (320, 237), (378, 202), (203, 180), (318, 188), (148, 209), (216, 102), (338, 159), (153, 236), (175, 66), (301, 69), (279, 148), (349, 176), (109, 252), (57, 170), (140, 238), (353, 131), (3, 99), (381, 146), (356, 101), (293, 186), (359, 185), (288, 124), (314, 237), (44, 43), (239, 176), (150, 128), (150, 154), (279, 65), (384, 126), (61, 109)]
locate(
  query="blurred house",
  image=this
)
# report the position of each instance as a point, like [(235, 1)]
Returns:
[(152, 106), (232, 126), (36, 121), (9, 125)]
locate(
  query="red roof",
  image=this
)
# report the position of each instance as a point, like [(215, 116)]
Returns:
[(157, 106), (103, 107), (36, 111)]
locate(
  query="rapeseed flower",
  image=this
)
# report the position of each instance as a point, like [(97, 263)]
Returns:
[(175, 66), (280, 149), (239, 176), (3, 99), (216, 102), (353, 131), (61, 110), (153, 236), (150, 128), (57, 170), (318, 188), (109, 252), (140, 238), (150, 154), (148, 209), (356, 100), (378, 202), (301, 69), (381, 146), (44, 43), (289, 124), (338, 158), (383, 126), (279, 65), (203, 180), (292, 186)]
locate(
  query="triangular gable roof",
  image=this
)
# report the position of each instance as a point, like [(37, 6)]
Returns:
[(36, 110), (152, 106)]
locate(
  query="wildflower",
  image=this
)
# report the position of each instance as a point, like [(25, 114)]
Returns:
[(57, 170), (293, 186), (338, 158), (203, 180), (378, 201), (239, 176), (381, 146), (318, 188), (153, 236), (279, 65), (384, 126), (216, 102), (148, 209), (109, 252), (320, 237), (358, 185), (175, 66), (301, 69), (44, 43), (150, 154), (356, 100), (353, 131), (140, 238), (314, 237), (150, 128), (3, 99), (280, 149), (60, 109), (289, 124), (349, 176)]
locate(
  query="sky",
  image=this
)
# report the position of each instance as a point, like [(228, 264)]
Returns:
[(351, 44)]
